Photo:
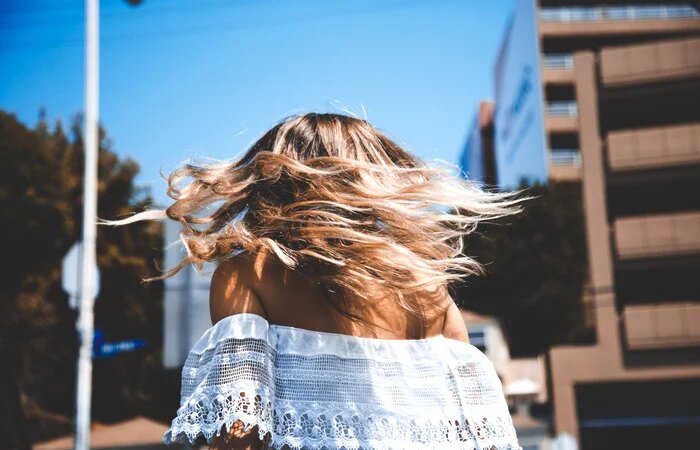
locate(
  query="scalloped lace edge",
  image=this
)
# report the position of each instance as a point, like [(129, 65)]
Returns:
[(184, 431)]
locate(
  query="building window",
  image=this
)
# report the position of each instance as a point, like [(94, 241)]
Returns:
[(565, 108), (478, 339), (565, 157), (558, 61)]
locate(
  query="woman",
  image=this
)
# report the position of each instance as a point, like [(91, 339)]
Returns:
[(333, 326)]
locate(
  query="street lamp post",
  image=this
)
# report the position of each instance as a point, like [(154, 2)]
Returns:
[(86, 316), (88, 261)]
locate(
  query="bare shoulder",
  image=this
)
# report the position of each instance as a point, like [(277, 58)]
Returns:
[(233, 288), (454, 326)]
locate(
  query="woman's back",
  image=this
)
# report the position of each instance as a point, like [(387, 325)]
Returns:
[(261, 284), (293, 371)]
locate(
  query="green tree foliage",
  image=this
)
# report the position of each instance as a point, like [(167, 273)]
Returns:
[(41, 214), (536, 267)]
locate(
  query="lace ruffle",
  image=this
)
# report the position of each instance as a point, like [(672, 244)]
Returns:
[(310, 390)]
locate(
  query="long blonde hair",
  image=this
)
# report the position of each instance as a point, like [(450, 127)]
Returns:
[(335, 199)]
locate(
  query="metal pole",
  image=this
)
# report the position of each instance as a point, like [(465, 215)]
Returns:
[(87, 288)]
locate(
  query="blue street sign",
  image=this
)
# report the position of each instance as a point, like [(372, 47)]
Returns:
[(106, 349)]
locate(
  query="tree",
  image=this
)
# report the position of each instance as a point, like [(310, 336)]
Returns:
[(40, 212), (536, 265)]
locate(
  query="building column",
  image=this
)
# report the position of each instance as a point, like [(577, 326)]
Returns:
[(564, 402), (600, 255)]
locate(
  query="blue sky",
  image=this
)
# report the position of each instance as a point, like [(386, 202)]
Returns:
[(187, 79)]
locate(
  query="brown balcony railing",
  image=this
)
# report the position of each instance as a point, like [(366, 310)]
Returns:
[(650, 63), (657, 235), (654, 147), (662, 326)]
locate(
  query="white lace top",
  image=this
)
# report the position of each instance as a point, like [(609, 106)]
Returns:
[(313, 390)]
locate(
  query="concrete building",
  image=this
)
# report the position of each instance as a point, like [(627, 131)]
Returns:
[(615, 95), (567, 26), (185, 301), (639, 131), (477, 159), (535, 96)]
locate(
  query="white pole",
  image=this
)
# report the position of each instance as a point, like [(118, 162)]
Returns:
[(86, 317)]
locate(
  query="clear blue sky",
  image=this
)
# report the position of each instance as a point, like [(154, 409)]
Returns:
[(204, 78)]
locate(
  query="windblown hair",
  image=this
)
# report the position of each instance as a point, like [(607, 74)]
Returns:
[(333, 198)]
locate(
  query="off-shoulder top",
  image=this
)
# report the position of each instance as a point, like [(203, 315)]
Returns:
[(314, 390)]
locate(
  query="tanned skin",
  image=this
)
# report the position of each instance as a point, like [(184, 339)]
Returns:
[(261, 285)]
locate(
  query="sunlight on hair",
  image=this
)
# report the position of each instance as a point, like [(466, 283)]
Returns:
[(332, 197)]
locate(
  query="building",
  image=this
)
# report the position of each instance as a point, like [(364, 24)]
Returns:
[(477, 159), (612, 104), (639, 132), (567, 26), (520, 145), (537, 130), (185, 301)]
